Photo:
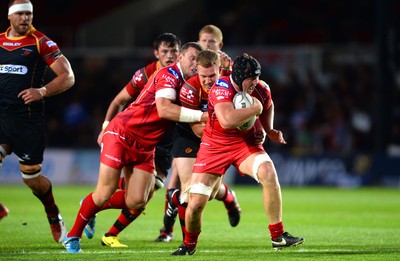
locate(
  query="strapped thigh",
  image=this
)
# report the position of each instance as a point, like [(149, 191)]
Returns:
[(258, 160)]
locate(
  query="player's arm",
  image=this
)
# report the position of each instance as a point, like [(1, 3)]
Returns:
[(231, 118), (116, 106), (168, 110), (64, 80), (267, 121)]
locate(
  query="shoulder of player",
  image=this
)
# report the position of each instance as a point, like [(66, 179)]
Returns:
[(170, 73), (150, 68), (262, 84)]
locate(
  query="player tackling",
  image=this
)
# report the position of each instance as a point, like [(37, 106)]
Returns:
[(223, 144)]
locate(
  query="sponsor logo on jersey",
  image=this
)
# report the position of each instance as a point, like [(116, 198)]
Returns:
[(222, 83), (221, 92), (11, 44), (188, 94), (173, 72), (26, 51), (13, 69), (169, 79), (51, 43)]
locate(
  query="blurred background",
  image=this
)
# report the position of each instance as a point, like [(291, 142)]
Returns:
[(333, 69)]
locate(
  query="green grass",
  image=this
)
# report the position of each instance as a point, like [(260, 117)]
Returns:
[(338, 224)]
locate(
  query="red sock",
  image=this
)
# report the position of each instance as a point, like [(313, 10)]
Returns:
[(87, 210), (276, 230), (181, 214), (191, 239), (228, 198), (117, 201)]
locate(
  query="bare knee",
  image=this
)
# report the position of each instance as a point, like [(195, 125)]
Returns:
[(197, 204), (33, 178), (135, 203), (267, 175)]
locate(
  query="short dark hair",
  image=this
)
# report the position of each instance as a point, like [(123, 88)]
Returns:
[(194, 45), (169, 38)]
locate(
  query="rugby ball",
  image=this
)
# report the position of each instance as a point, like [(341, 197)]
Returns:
[(243, 100)]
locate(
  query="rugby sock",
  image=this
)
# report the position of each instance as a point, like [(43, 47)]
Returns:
[(116, 201), (87, 211), (126, 217), (48, 202), (228, 198), (181, 213), (276, 230), (190, 239), (121, 183)]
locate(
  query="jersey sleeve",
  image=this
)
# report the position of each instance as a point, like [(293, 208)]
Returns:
[(221, 92), (136, 84), (167, 83), (49, 50), (266, 94), (189, 95)]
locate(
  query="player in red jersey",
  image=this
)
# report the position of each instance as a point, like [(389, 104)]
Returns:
[(210, 37), (223, 144), (129, 141), (194, 95), (166, 50), (25, 56)]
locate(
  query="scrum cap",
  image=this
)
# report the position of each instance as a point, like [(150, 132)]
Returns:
[(245, 66)]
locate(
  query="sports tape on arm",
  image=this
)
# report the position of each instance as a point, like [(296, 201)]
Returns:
[(186, 115)]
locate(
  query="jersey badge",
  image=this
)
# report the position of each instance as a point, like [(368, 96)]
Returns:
[(173, 72), (222, 83)]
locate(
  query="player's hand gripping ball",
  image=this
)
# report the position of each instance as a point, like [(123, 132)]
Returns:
[(244, 100)]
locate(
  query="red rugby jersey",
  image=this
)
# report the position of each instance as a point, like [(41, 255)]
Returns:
[(141, 118), (223, 91)]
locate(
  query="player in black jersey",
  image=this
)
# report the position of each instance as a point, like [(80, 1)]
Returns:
[(25, 55)]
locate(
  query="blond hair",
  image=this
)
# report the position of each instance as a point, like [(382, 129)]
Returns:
[(211, 29)]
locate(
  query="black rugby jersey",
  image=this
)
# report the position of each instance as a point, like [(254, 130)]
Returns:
[(23, 64)]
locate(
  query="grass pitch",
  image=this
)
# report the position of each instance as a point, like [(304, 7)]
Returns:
[(337, 224)]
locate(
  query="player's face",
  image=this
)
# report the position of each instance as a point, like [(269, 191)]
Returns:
[(210, 42), (20, 22), (166, 54), (188, 62), (208, 76), (249, 84)]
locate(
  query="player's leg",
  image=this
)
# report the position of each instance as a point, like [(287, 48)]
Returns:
[(170, 208), (42, 188), (185, 167), (3, 153), (228, 197), (106, 185), (203, 186), (126, 217), (261, 167)]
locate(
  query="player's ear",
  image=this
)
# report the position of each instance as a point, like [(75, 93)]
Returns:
[(221, 44), (156, 54)]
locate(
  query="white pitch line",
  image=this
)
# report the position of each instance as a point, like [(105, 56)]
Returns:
[(199, 250)]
